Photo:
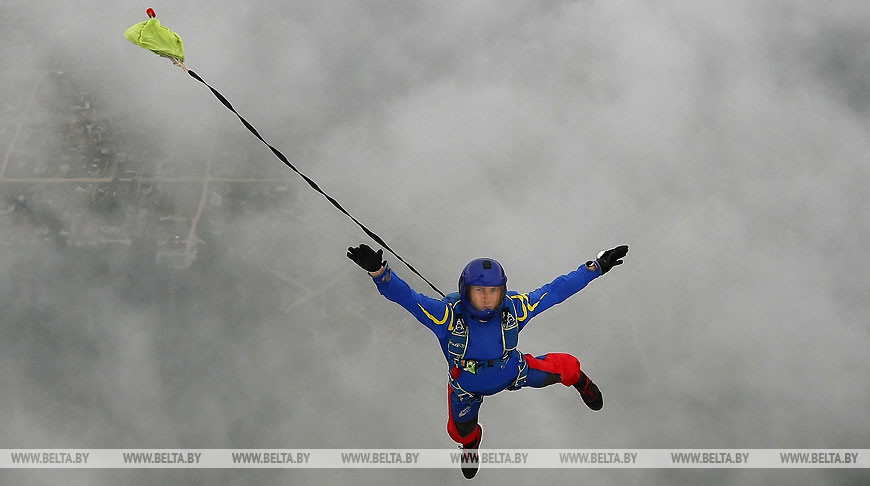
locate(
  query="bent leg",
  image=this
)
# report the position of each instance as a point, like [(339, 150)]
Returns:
[(462, 418), (552, 368), (563, 368)]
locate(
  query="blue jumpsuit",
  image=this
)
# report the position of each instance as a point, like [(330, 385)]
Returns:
[(485, 342)]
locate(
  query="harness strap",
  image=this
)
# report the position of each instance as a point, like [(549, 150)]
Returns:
[(522, 375), (458, 340), (462, 363), (461, 393)]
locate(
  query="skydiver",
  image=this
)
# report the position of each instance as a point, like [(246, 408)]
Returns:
[(478, 329)]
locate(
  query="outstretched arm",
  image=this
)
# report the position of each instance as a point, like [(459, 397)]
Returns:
[(533, 303), (435, 314)]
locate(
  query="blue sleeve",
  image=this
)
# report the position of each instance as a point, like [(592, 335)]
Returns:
[(533, 303), (435, 314)]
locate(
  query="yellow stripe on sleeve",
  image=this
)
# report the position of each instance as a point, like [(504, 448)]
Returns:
[(433, 319)]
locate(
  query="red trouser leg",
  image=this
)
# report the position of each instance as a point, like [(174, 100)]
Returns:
[(451, 425), (562, 364)]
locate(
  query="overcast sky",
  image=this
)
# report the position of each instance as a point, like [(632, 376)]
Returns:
[(726, 142)]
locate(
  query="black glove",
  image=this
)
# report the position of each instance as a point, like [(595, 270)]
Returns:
[(367, 258), (608, 259)]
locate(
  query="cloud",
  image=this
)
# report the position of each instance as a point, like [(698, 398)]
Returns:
[(725, 143)]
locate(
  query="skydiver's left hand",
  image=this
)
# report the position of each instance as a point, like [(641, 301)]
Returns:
[(608, 259)]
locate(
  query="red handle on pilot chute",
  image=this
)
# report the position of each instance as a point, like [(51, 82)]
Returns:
[(151, 13)]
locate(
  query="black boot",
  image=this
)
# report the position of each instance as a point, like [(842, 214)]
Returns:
[(470, 457), (589, 392)]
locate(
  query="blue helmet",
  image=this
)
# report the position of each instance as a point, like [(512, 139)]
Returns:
[(484, 272)]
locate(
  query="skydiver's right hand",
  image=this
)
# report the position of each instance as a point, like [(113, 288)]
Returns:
[(367, 258)]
